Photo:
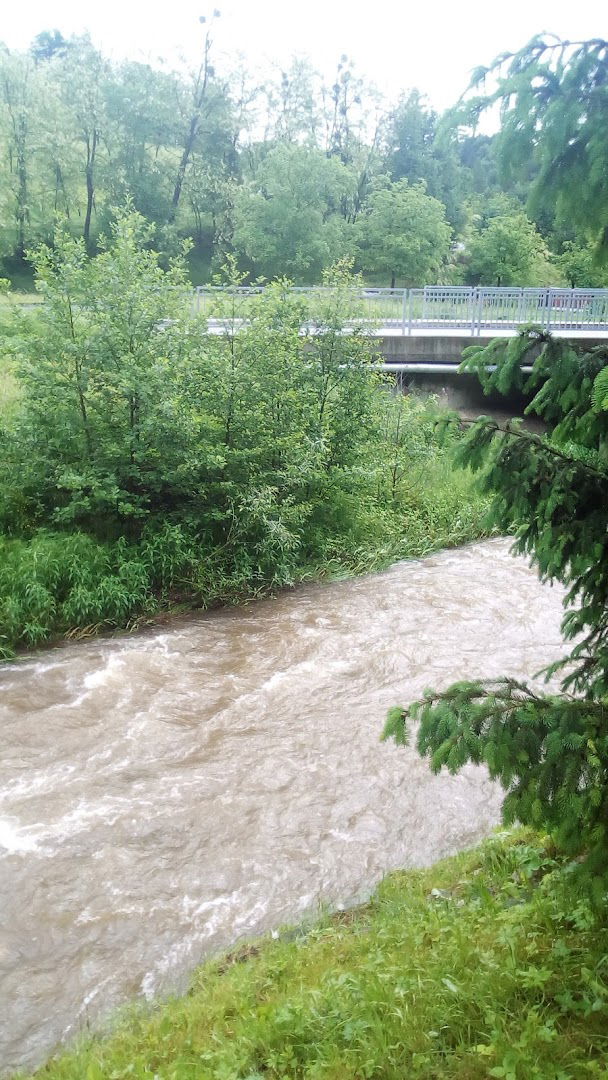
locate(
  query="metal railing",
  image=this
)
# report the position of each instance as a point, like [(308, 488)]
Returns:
[(438, 307)]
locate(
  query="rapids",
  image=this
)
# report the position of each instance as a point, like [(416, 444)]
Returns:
[(165, 794)]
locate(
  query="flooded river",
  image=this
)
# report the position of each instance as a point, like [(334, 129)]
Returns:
[(165, 794)]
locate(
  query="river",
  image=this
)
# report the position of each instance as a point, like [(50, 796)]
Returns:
[(165, 794)]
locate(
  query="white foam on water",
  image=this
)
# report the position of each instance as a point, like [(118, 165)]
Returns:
[(103, 675), (14, 838), (36, 783), (148, 985)]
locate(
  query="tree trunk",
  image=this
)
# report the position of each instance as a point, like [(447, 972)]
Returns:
[(183, 165), (200, 93), (60, 187), (21, 201), (19, 123), (90, 177), (393, 279)]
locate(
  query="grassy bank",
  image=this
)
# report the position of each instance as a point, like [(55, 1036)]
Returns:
[(55, 585), (483, 965)]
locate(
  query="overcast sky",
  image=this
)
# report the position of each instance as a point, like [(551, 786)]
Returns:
[(395, 43)]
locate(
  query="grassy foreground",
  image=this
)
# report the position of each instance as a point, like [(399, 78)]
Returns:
[(485, 965)]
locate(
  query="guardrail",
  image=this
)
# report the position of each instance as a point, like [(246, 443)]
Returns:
[(437, 307)]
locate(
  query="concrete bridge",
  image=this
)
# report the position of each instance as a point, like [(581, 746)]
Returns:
[(430, 351), (422, 333), (424, 330), (429, 360)]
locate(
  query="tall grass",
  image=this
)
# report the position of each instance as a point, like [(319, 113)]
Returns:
[(55, 584)]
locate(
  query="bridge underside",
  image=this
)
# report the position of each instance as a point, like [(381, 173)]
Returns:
[(446, 349), (429, 364)]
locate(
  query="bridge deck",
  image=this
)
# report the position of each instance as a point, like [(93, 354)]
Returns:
[(459, 310), (441, 330)]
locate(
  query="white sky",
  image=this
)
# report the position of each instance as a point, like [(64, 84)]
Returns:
[(395, 43)]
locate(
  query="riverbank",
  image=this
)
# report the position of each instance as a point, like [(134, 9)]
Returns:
[(58, 587), (188, 787), (200, 470), (482, 965)]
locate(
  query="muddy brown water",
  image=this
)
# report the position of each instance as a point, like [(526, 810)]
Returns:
[(167, 794)]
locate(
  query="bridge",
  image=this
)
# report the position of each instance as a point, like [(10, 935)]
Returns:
[(453, 311), (422, 333)]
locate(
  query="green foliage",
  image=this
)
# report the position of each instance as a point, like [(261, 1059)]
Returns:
[(420, 148), (80, 133), (288, 221), (94, 440), (404, 234), (507, 251), (247, 459), (57, 583), (9, 393), (578, 264), (486, 965), (554, 120), (550, 752)]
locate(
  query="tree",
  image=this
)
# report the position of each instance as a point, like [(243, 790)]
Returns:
[(554, 119), (205, 116), (18, 79), (548, 750), (477, 154), (578, 264), (422, 148), (505, 252), (48, 44), (140, 107), (287, 221), (403, 232), (343, 111), (292, 112), (85, 76), (97, 444)]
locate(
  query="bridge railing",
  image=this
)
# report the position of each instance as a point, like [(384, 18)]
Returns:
[(438, 307)]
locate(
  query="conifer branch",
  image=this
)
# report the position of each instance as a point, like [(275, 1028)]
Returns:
[(536, 440)]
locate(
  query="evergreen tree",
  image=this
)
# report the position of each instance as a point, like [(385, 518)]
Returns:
[(422, 149), (549, 751), (554, 127)]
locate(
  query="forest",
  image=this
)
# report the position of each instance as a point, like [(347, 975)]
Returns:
[(286, 175)]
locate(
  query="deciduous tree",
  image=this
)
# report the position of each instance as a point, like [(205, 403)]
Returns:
[(403, 233), (288, 221), (509, 250)]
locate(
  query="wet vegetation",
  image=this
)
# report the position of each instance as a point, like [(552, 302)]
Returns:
[(149, 463)]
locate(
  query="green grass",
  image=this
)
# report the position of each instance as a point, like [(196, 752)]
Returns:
[(486, 965), (21, 298), (57, 584), (10, 391)]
